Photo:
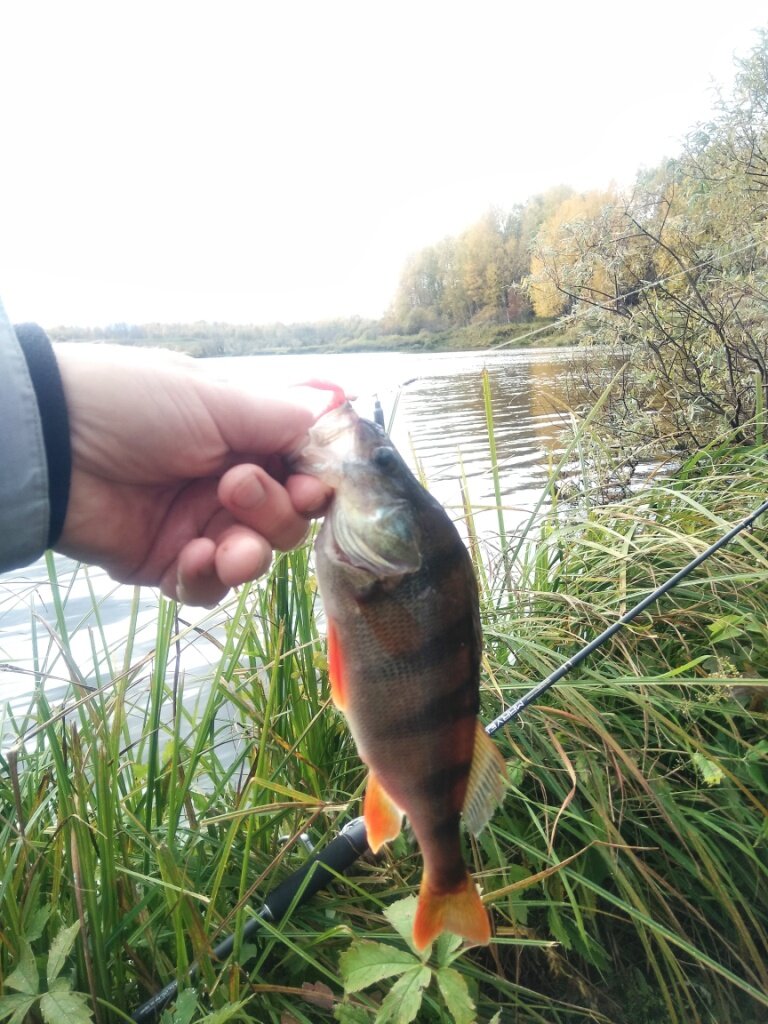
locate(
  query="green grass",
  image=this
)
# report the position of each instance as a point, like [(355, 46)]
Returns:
[(626, 871)]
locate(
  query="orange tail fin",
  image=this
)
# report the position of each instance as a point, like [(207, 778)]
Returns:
[(460, 911)]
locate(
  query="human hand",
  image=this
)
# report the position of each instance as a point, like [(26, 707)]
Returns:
[(177, 479)]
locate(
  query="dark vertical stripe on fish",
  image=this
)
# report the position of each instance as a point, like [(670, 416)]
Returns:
[(440, 711), (445, 779)]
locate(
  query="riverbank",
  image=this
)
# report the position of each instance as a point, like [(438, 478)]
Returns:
[(337, 336), (626, 872), (539, 332)]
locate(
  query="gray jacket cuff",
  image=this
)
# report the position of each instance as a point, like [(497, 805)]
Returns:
[(24, 504)]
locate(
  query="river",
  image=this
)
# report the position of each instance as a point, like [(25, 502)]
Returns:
[(439, 414), (439, 422)]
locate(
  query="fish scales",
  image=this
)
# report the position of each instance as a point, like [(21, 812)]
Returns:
[(412, 712), (404, 653)]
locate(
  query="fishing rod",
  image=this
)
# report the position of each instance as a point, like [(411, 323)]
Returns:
[(514, 709), (351, 843), (319, 870)]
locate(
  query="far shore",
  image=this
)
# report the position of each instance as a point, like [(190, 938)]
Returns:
[(338, 336)]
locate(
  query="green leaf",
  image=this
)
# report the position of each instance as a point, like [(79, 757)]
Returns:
[(346, 1014), (456, 995), (402, 1002), (446, 947), (558, 925), (726, 627), (365, 963), (16, 1007), (758, 752), (185, 1007), (60, 1005), (711, 774), (25, 978), (223, 1014), (34, 927), (61, 947), (400, 915)]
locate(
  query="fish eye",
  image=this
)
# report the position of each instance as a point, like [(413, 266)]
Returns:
[(384, 457)]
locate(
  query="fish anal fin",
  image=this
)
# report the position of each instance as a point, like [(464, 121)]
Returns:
[(486, 786), (336, 667), (460, 911), (383, 819)]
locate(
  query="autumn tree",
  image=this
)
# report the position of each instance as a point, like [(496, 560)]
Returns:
[(567, 258), (478, 276), (674, 279)]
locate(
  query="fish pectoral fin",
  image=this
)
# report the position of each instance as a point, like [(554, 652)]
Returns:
[(336, 667), (383, 818), (486, 786), (460, 911)]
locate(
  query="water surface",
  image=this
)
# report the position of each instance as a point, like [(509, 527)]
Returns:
[(439, 414), (440, 427)]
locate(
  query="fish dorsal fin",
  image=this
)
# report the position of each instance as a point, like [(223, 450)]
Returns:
[(336, 667), (383, 818), (487, 776)]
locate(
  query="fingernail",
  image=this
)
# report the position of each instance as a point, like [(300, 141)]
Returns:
[(187, 595), (249, 493)]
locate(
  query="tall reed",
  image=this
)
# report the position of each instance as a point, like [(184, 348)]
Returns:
[(625, 873)]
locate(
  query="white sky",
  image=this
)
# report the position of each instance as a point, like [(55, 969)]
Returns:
[(255, 161)]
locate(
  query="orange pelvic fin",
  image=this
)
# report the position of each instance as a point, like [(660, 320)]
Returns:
[(485, 789), (336, 667), (460, 911), (383, 818)]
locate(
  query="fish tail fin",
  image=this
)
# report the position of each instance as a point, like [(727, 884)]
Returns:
[(460, 911)]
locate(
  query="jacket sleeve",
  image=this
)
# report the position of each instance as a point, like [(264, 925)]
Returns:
[(34, 447)]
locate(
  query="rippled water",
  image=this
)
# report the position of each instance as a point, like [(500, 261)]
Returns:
[(439, 422), (439, 414)]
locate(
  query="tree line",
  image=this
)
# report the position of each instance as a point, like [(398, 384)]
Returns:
[(223, 339), (671, 276), (480, 276)]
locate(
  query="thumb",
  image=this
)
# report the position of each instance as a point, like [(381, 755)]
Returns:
[(276, 423)]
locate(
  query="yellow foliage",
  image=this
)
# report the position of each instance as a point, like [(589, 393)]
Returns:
[(562, 241)]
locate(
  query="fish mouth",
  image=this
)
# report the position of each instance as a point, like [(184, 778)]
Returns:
[(303, 460), (328, 444), (314, 461)]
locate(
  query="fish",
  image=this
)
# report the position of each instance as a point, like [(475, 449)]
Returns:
[(404, 650)]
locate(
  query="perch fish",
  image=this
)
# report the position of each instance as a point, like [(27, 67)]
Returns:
[(404, 647)]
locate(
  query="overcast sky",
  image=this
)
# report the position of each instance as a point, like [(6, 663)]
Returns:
[(253, 161)]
